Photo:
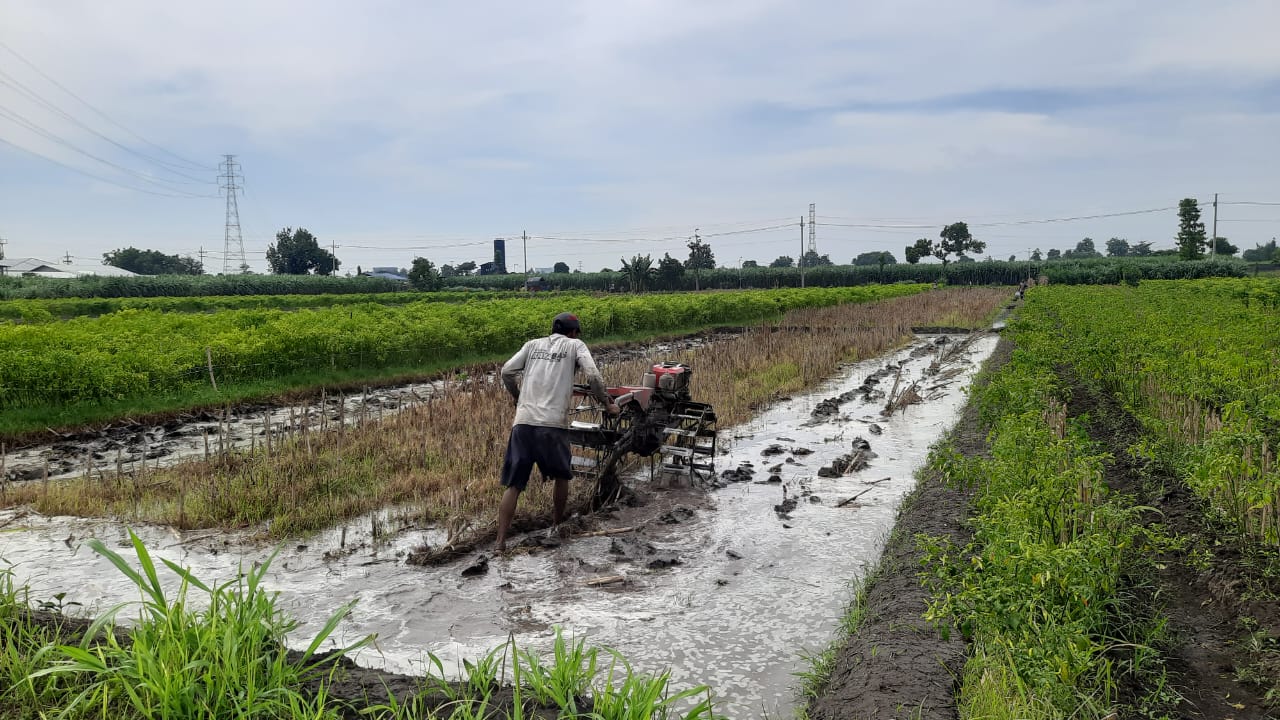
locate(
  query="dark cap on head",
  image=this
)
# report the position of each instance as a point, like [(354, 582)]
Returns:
[(565, 323)]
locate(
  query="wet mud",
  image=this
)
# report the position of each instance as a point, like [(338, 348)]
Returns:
[(896, 662), (726, 581)]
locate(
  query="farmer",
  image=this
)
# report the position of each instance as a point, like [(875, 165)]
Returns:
[(542, 405)]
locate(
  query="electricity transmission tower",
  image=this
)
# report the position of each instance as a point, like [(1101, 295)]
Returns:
[(813, 226), (233, 244)]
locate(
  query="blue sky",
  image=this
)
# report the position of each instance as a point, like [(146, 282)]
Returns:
[(403, 129)]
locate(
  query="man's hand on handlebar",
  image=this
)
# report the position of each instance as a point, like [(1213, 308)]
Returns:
[(613, 409)]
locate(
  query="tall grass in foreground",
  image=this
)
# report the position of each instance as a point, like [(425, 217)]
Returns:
[(227, 659), (444, 455)]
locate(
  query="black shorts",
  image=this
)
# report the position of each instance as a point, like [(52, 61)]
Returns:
[(547, 447)]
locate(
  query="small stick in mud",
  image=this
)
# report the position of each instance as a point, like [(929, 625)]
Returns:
[(842, 503), (611, 531), (606, 580)]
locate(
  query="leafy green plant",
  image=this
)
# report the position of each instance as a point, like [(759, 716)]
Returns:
[(224, 661)]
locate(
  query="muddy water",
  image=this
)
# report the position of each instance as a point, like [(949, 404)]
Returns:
[(753, 587)]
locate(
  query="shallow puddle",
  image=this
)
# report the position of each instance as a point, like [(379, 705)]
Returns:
[(752, 587)]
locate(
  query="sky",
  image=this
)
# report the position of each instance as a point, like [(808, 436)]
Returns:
[(603, 130)]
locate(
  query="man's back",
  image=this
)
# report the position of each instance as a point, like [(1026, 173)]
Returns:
[(549, 364)]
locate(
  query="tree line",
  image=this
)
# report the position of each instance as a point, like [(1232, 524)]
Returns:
[(298, 252)]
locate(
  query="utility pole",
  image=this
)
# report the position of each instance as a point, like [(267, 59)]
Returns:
[(333, 251), (202, 254), (800, 260), (1213, 241), (233, 241), (67, 260), (524, 246), (3, 242)]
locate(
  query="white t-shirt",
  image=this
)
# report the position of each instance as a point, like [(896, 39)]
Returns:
[(549, 365)]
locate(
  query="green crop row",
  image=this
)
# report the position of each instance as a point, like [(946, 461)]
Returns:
[(1198, 363), (1038, 591), (37, 311), (135, 353)]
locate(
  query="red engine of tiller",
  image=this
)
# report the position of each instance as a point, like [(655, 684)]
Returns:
[(668, 376)]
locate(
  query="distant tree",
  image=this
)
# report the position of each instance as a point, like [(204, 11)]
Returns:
[(423, 275), (1261, 253), (813, 259), (296, 252), (606, 270), (1224, 248), (1083, 249), (750, 264), (447, 271), (700, 258), (1140, 249), (465, 268), (783, 261), (921, 249), (1036, 256), (1054, 254), (875, 258), (560, 267), (151, 262), (964, 259), (1191, 237), (638, 271), (1013, 258), (957, 240), (670, 271), (1117, 247)]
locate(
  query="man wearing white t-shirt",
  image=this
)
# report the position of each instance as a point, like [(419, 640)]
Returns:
[(539, 436)]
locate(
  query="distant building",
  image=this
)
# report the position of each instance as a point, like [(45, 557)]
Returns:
[(386, 273), (35, 267), (499, 264)]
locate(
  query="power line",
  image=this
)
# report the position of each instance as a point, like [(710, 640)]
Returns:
[(193, 164), (99, 178), (33, 96), (32, 127)]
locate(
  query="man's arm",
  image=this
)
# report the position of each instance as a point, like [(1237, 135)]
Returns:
[(512, 367)]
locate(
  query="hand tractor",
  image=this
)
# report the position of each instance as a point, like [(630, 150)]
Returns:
[(659, 418)]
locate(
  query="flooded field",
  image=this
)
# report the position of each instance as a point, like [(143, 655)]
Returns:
[(723, 585)]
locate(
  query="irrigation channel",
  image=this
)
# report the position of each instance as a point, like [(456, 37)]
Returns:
[(726, 586)]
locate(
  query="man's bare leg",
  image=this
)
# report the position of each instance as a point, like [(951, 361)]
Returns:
[(506, 511), (559, 500)]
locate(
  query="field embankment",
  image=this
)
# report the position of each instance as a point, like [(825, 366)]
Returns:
[(1121, 559)]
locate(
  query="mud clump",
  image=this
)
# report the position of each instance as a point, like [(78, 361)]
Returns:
[(479, 565), (628, 548), (633, 550), (852, 462), (676, 515), (801, 451), (875, 429), (774, 449), (662, 560), (785, 507), (741, 474)]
